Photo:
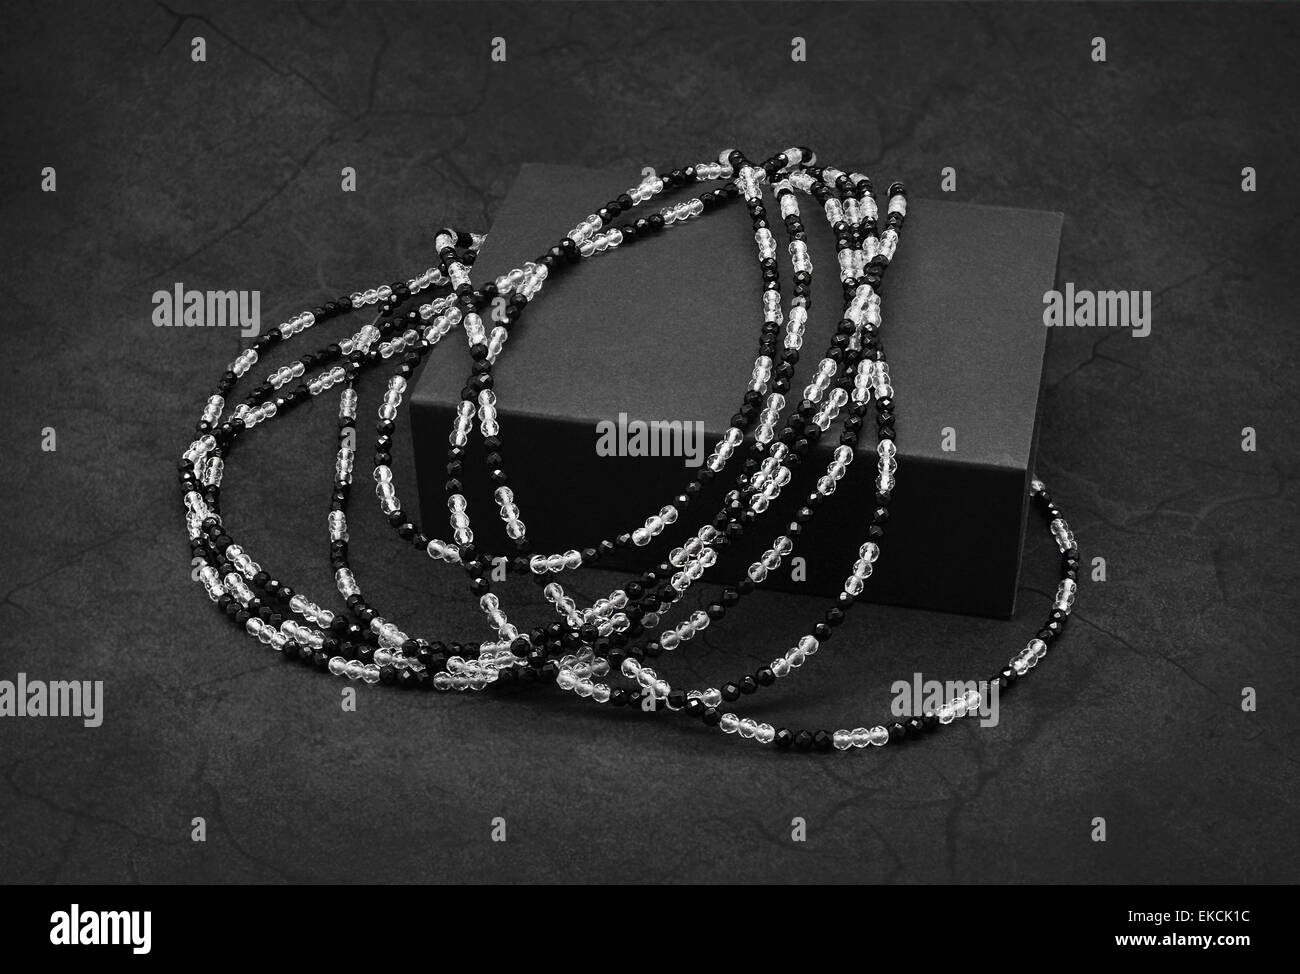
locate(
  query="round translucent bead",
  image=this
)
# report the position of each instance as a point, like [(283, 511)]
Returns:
[(729, 723)]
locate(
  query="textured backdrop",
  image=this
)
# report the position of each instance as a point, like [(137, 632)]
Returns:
[(225, 174)]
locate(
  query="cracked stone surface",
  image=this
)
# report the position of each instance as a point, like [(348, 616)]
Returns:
[(225, 174)]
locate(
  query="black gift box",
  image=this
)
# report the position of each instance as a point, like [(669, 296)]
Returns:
[(667, 330)]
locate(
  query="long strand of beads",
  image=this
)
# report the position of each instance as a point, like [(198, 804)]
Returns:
[(203, 465)]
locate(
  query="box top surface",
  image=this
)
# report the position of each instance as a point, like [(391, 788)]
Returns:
[(667, 329)]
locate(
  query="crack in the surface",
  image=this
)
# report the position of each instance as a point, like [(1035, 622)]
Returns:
[(180, 18), (353, 118)]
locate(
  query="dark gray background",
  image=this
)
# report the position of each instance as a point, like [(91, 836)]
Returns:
[(226, 175)]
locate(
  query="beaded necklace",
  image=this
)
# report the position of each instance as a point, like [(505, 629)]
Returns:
[(593, 642)]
